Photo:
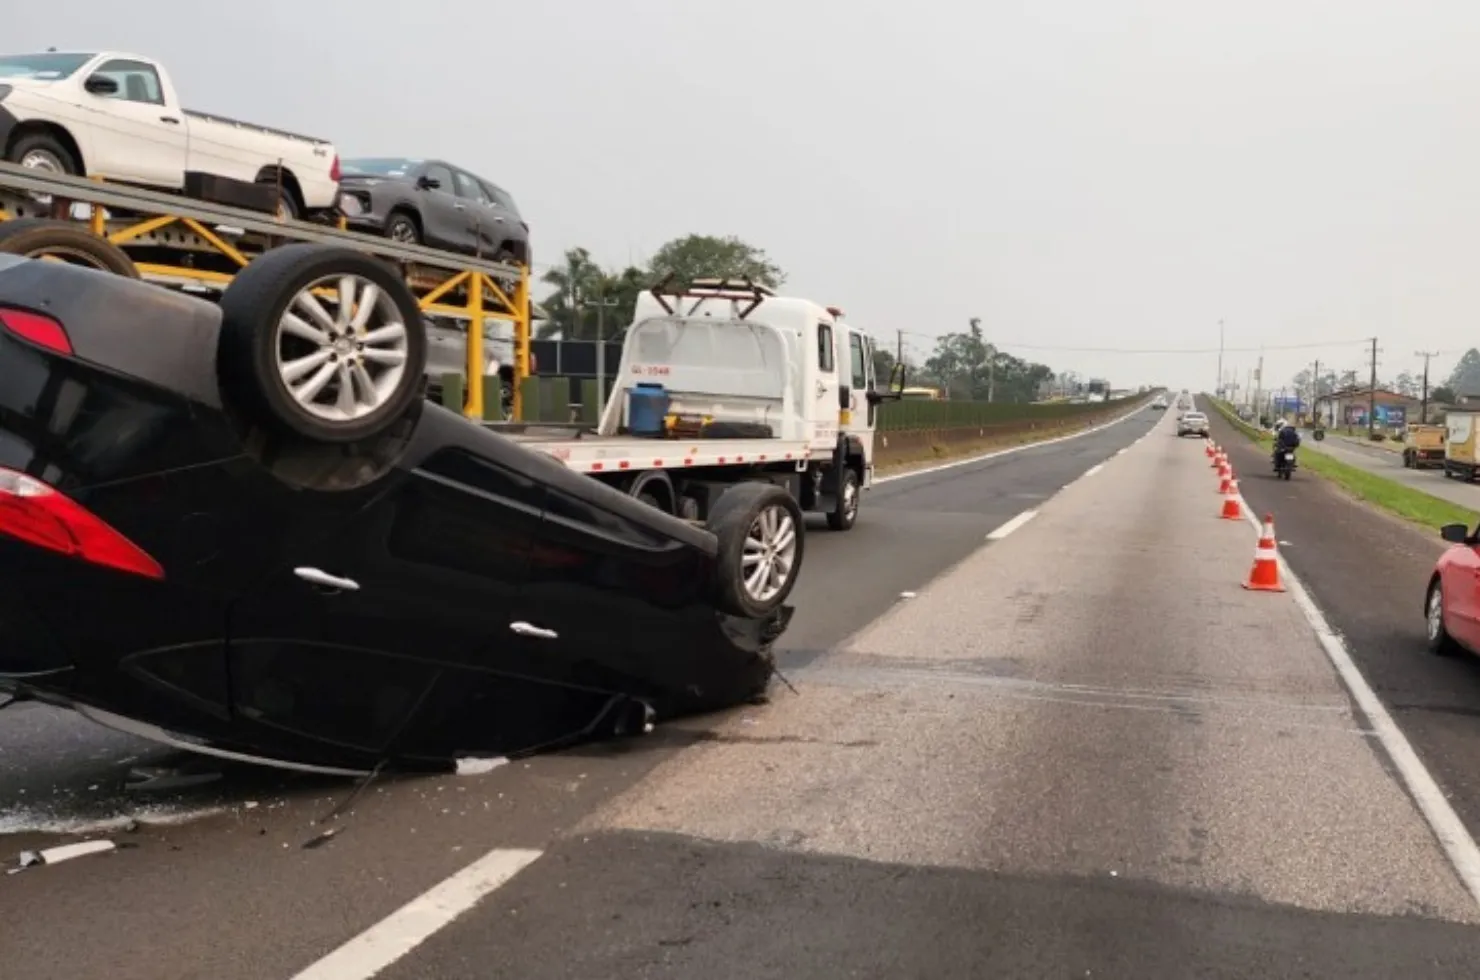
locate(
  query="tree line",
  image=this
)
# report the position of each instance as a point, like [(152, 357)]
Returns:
[(585, 298), (1464, 379)]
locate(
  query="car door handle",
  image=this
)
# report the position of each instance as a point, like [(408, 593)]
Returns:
[(319, 577), (529, 629), (172, 120)]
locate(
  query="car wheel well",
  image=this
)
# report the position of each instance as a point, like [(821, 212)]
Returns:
[(409, 213), (57, 132), (271, 175)]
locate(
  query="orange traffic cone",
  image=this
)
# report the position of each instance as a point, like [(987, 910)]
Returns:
[(1217, 455), (1225, 471), (1231, 509), (1265, 575), (1226, 486), (1208, 449)]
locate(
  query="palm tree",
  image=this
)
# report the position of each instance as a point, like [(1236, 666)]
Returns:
[(577, 280)]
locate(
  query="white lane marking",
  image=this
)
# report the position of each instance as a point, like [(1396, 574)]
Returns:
[(413, 923), (1003, 452), (1012, 525), (1094, 469), (1456, 841)]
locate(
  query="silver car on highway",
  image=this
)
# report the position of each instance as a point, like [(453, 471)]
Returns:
[(1192, 424)]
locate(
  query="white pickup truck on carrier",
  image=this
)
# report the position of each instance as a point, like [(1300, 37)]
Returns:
[(726, 382), (116, 116)]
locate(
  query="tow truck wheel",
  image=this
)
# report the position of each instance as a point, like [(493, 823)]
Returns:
[(845, 512), (761, 537), (63, 241), (322, 342)]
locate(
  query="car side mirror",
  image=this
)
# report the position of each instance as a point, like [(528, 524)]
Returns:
[(428, 183), (1455, 533), (101, 85)]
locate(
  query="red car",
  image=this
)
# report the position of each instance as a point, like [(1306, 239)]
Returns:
[(1451, 606)]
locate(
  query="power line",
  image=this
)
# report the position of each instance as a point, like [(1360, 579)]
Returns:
[(1183, 350)]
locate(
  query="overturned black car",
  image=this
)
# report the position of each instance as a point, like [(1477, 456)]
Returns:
[(240, 529)]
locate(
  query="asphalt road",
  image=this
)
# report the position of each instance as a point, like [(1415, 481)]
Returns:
[(1369, 573), (1389, 465), (214, 880), (1075, 749)]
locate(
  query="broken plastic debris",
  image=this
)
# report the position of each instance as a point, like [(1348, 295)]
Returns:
[(474, 766), (64, 852), (907, 595)]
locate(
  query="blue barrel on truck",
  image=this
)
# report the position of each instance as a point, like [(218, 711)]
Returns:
[(647, 406)]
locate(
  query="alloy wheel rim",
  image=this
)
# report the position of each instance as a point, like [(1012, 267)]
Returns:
[(341, 348), (770, 553), (1436, 613)]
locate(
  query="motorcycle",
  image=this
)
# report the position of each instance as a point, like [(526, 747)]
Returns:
[(1284, 463)]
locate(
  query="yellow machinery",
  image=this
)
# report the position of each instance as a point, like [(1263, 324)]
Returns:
[(197, 246)]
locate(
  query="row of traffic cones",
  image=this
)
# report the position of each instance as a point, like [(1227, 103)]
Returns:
[(1265, 575)]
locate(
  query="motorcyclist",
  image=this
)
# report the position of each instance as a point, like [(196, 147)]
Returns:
[(1286, 438)]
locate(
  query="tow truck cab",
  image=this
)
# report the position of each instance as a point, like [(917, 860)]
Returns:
[(736, 361)]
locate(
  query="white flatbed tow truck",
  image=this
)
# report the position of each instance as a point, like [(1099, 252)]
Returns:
[(725, 382)]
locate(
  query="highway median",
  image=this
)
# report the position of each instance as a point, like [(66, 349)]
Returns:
[(1405, 502)]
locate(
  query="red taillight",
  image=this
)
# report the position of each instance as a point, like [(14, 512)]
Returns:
[(334, 172), (39, 329), (35, 513)]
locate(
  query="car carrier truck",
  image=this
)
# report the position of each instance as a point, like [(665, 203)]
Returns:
[(725, 381)]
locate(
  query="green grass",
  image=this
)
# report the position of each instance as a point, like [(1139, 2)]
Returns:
[(1395, 498)]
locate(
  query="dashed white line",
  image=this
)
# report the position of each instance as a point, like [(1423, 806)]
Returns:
[(1012, 525), (413, 923), (1456, 841), (1093, 470)]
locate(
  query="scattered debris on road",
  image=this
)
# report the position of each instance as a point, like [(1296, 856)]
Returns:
[(60, 853)]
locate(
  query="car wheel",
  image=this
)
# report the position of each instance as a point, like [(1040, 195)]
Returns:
[(322, 342), (845, 513), (46, 153), (1440, 642), (64, 241), (402, 228), (761, 538)]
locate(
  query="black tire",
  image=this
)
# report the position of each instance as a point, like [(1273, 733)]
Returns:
[(1407, 460), (253, 307), (403, 223), (739, 509), (65, 240), (1440, 643), (45, 143), (845, 510)]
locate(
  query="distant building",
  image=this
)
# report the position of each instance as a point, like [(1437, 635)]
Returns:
[(1349, 407)]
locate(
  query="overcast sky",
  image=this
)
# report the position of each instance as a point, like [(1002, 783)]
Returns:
[(1079, 174)]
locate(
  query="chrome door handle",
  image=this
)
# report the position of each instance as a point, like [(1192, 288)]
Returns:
[(529, 629), (319, 577)]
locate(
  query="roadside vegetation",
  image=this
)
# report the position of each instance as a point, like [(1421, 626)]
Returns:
[(1395, 498)]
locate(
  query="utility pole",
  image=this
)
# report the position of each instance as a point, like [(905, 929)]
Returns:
[(602, 305), (1372, 396), (1218, 391), (1423, 412), (1315, 393)]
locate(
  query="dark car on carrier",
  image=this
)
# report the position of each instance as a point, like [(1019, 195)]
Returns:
[(433, 203), (285, 553)]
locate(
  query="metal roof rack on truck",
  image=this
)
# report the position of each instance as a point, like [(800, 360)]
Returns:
[(712, 288)]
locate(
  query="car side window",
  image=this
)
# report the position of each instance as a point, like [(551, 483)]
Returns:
[(858, 360), (138, 81), (468, 187), (501, 197), (442, 176), (825, 349)]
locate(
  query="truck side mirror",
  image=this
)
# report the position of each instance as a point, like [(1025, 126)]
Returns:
[(101, 85), (894, 390)]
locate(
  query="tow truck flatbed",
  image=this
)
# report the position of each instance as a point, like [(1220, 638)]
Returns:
[(587, 451)]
